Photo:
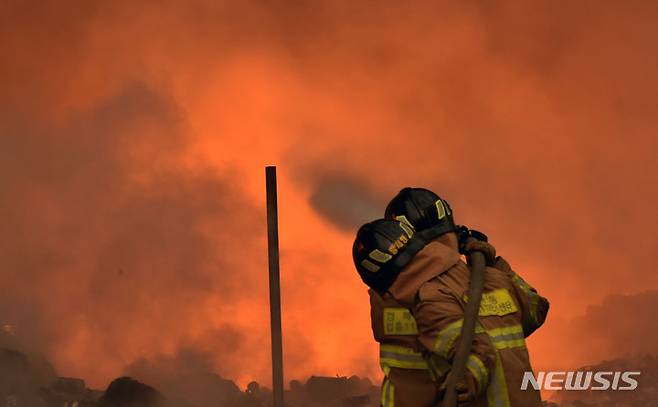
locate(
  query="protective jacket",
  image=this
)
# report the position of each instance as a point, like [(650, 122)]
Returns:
[(407, 378), (510, 310)]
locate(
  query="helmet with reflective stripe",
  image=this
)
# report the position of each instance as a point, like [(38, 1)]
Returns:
[(382, 248), (421, 208)]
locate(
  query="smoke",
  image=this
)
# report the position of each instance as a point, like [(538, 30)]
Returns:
[(186, 377), (133, 137), (628, 315), (514, 117), (618, 327), (346, 202), (112, 249)]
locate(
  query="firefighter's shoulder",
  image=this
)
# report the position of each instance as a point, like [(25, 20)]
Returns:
[(433, 290)]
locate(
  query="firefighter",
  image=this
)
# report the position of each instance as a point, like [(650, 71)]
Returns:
[(407, 378), (422, 209), (423, 271)]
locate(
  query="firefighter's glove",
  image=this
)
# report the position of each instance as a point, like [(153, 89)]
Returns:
[(464, 233), (502, 265), (467, 389), (485, 248)]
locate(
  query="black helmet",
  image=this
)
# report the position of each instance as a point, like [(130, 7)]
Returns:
[(381, 250), (421, 208)]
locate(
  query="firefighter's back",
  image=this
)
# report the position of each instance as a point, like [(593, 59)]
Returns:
[(407, 379)]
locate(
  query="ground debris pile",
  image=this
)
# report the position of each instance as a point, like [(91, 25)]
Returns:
[(28, 381), (333, 392), (126, 391)]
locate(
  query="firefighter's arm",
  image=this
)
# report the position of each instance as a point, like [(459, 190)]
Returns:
[(440, 317), (534, 307)]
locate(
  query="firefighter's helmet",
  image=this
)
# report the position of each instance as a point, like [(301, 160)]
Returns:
[(381, 250), (424, 210)]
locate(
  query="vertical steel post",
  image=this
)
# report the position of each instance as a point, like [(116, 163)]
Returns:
[(275, 285)]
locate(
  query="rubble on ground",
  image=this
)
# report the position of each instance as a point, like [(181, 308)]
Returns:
[(29, 381)]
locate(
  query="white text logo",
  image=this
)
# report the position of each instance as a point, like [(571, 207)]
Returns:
[(580, 380)]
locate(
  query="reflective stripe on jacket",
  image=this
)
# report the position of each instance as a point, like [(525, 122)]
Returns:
[(400, 357), (407, 378)]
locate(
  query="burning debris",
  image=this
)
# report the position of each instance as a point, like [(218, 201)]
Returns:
[(28, 381), (126, 391), (69, 392), (336, 391)]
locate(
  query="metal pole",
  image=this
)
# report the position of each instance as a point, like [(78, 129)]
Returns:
[(275, 285)]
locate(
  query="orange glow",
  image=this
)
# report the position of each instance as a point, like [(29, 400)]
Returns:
[(134, 139)]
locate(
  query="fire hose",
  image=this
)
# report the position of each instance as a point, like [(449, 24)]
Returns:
[(477, 265)]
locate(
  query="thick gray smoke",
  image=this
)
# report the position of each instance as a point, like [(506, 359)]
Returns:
[(111, 247), (346, 202)]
